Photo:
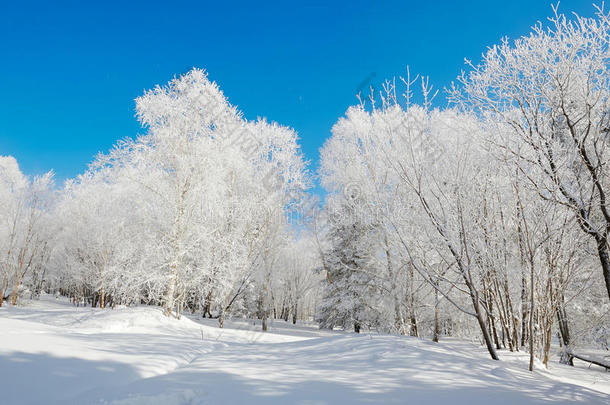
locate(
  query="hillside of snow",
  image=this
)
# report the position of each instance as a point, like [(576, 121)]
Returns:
[(54, 353)]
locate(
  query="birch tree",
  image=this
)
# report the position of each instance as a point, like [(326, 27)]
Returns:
[(551, 90)]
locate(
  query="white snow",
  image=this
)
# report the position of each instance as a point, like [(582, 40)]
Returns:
[(52, 352)]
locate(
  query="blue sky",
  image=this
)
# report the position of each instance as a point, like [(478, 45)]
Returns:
[(70, 70)]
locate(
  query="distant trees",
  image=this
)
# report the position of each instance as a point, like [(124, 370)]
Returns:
[(25, 228), (296, 291), (95, 248)]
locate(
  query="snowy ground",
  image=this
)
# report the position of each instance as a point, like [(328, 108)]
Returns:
[(52, 352)]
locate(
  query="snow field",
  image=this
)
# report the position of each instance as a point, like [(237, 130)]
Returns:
[(52, 352)]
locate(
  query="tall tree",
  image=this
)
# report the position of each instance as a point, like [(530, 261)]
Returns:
[(549, 95)]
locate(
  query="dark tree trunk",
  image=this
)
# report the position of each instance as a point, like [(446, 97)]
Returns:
[(437, 325), (524, 309), (207, 306), (479, 315), (491, 318), (602, 251), (531, 319), (564, 334), (490, 347), (592, 361), (495, 332), (221, 319)]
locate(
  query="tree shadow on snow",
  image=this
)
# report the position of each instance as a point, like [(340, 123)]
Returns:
[(350, 370), (39, 378)]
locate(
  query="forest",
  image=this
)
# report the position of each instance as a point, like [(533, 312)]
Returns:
[(477, 211)]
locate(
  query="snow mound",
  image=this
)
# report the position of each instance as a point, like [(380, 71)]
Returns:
[(134, 320)]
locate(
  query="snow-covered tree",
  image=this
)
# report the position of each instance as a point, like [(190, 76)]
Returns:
[(25, 231), (351, 297), (185, 214), (551, 91)]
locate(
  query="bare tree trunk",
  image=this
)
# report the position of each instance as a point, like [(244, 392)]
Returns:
[(399, 320), (14, 297), (221, 319), (2, 289), (512, 319), (602, 251), (437, 326), (490, 315), (207, 306), (531, 319), (19, 273), (486, 337), (564, 334), (170, 293), (547, 343), (103, 288), (283, 312), (412, 317), (413, 325), (264, 304), (494, 331), (524, 310)]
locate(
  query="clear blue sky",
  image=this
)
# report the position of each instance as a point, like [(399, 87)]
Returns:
[(70, 71)]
